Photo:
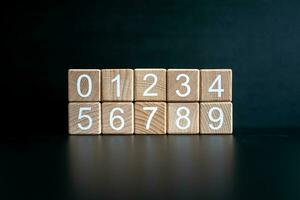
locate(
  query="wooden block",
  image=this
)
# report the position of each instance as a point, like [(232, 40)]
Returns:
[(84, 118), (84, 84), (216, 85), (216, 118), (183, 85), (117, 85), (150, 84), (117, 118), (150, 117), (183, 118)]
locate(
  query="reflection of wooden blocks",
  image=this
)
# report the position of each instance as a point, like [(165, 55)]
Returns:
[(84, 118), (150, 117), (117, 118), (216, 118), (183, 118), (84, 84), (183, 85), (216, 85), (117, 85), (150, 84)]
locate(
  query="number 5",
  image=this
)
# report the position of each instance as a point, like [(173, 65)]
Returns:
[(81, 117), (153, 111)]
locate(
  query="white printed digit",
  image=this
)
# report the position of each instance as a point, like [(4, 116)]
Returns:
[(117, 80), (146, 93), (184, 84), (183, 117), (153, 111), (81, 116), (219, 89), (88, 93), (113, 117), (219, 119)]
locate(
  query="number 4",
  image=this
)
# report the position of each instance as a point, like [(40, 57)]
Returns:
[(219, 89)]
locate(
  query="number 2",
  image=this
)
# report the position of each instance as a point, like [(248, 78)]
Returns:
[(146, 93), (219, 89)]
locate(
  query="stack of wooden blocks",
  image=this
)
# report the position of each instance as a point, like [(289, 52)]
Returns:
[(150, 101)]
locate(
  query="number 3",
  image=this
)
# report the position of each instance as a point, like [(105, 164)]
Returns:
[(184, 84)]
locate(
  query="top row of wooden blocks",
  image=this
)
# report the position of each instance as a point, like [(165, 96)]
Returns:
[(172, 85)]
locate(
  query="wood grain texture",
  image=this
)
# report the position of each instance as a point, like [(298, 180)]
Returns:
[(144, 79), (109, 88), (158, 123), (77, 119), (193, 117), (173, 85), (208, 76), (127, 115), (206, 123), (94, 74)]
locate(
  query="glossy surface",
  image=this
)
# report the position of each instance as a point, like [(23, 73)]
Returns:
[(152, 167)]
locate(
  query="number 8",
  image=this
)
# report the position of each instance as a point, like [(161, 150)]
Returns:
[(183, 117), (220, 119)]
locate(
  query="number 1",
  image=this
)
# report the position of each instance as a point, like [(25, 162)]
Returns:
[(117, 79)]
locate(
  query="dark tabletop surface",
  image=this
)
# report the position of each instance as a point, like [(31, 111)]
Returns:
[(242, 166)]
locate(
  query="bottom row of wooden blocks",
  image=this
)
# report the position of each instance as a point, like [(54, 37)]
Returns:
[(150, 118)]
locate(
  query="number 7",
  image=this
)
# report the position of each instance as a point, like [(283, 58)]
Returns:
[(153, 111)]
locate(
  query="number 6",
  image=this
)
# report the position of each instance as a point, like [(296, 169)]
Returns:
[(112, 118)]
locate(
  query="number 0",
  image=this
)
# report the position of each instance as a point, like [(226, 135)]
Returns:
[(90, 86)]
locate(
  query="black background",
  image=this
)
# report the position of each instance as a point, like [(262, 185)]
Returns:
[(259, 40)]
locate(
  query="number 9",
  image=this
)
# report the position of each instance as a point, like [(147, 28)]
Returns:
[(219, 119)]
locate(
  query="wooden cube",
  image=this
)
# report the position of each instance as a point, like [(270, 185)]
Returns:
[(183, 85), (84, 84), (183, 118), (84, 118), (117, 118), (216, 85), (150, 118), (117, 85), (216, 118), (150, 84)]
